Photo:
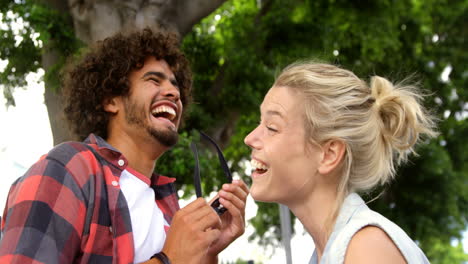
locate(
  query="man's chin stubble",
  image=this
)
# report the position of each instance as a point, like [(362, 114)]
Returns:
[(168, 139)]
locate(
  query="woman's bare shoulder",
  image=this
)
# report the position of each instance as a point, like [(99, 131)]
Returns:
[(372, 245)]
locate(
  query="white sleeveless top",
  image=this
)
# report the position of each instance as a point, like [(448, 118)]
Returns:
[(354, 215)]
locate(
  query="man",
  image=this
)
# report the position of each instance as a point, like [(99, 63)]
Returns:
[(94, 202)]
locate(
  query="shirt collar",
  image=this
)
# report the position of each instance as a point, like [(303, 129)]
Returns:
[(115, 157), (349, 207), (99, 142), (352, 203), (106, 151)]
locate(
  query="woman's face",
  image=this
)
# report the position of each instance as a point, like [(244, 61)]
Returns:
[(283, 163)]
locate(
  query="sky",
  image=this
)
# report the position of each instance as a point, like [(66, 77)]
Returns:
[(25, 133), (25, 136)]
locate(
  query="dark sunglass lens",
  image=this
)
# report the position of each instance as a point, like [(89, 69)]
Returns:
[(218, 207)]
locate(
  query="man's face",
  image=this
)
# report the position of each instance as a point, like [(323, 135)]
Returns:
[(153, 107)]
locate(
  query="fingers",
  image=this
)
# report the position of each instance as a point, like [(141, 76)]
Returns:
[(233, 197), (200, 215), (242, 185), (193, 230), (238, 188), (235, 193), (212, 235), (232, 203), (195, 205)]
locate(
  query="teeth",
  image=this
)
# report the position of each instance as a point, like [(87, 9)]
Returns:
[(164, 109), (258, 165)]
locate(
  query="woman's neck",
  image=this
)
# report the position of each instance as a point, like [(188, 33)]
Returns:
[(316, 213)]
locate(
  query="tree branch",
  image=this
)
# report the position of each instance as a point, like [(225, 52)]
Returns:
[(263, 10), (218, 84), (191, 12), (223, 132)]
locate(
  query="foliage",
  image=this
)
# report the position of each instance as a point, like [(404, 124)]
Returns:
[(235, 54), (27, 27), (444, 253), (180, 161), (246, 45)]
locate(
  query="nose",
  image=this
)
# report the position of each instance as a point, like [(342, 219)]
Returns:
[(252, 139), (171, 91)]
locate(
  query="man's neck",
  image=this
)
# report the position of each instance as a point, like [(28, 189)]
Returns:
[(141, 154)]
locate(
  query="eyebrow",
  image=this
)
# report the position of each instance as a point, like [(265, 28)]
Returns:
[(162, 76), (273, 112)]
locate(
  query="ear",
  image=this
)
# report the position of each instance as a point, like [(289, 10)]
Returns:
[(112, 105), (333, 153)]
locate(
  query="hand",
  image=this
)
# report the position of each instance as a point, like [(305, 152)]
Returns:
[(193, 230), (232, 196)]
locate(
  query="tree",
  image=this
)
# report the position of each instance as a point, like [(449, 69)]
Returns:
[(64, 26), (236, 52)]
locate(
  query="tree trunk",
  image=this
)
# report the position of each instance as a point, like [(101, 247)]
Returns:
[(95, 20), (54, 103), (52, 94)]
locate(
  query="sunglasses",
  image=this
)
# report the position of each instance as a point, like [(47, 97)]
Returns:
[(217, 206)]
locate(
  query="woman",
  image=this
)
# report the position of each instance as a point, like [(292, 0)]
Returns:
[(324, 135)]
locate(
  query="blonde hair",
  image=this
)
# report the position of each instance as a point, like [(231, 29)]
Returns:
[(379, 123)]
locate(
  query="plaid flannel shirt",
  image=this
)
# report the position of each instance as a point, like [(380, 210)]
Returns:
[(68, 208)]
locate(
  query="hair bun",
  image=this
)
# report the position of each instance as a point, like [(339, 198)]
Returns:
[(402, 118)]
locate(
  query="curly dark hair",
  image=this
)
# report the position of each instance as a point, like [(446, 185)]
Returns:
[(103, 73)]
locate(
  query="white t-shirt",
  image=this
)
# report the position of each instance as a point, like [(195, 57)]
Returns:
[(147, 219)]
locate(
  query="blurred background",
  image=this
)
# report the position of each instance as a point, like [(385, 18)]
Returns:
[(236, 48)]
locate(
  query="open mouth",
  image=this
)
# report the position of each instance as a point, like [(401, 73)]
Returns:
[(258, 167), (164, 111)]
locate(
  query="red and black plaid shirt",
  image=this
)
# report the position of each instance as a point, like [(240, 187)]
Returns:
[(68, 208)]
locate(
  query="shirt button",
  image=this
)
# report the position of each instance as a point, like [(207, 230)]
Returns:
[(115, 183), (121, 162)]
